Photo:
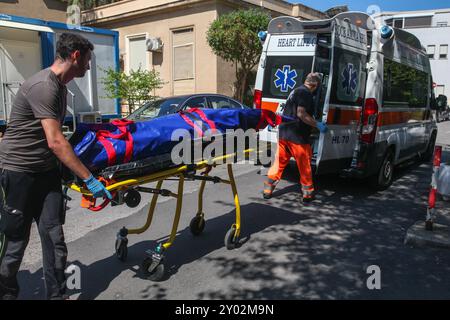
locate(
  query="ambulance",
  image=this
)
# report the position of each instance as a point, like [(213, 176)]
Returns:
[(376, 95)]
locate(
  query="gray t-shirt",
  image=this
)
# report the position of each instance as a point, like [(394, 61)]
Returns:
[(24, 147)]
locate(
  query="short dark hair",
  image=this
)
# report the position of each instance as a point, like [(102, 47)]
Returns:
[(71, 42)]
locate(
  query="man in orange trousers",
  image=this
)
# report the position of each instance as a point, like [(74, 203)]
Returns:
[(293, 138)]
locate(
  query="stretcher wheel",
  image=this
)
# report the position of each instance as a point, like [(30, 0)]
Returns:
[(197, 225), (231, 240), (152, 272), (132, 198), (121, 249)]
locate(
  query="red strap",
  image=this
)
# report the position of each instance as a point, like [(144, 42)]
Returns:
[(109, 148), (100, 206), (267, 118), (123, 135), (203, 116), (192, 124)]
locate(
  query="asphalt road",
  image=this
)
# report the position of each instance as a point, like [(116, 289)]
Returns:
[(287, 250)]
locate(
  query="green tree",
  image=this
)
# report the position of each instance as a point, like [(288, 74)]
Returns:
[(234, 37), (134, 89)]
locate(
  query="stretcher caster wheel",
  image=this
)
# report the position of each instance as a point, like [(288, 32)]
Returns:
[(132, 198), (121, 249), (231, 240), (197, 225), (152, 270)]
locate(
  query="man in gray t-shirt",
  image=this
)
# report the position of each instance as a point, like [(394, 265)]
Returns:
[(30, 180), (24, 146)]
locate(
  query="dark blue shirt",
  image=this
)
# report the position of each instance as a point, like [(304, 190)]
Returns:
[(297, 131)]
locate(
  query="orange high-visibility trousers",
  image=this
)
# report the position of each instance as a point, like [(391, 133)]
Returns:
[(302, 154)]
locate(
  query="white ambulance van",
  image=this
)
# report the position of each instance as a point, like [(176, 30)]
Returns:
[(376, 94)]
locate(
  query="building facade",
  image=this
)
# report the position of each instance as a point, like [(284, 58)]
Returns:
[(177, 31), (432, 28), (51, 10)]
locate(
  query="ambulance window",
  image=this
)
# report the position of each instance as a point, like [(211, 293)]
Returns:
[(322, 66), (349, 79), (404, 86), (283, 74), (323, 46)]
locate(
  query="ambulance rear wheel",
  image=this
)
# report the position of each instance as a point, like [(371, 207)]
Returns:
[(428, 155), (385, 176)]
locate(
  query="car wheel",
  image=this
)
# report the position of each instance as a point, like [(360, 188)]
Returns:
[(385, 175)]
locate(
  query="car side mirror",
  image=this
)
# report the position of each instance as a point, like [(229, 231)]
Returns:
[(433, 104), (441, 102)]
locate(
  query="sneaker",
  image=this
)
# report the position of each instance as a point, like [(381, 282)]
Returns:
[(307, 199), (269, 186), (267, 196), (8, 296)]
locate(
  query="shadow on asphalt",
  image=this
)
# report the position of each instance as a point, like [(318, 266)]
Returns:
[(321, 251), (350, 185), (350, 227), (97, 277)]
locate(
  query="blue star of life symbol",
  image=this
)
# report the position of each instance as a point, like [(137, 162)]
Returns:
[(350, 82), (285, 78)]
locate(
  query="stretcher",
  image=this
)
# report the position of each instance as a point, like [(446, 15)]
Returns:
[(126, 189)]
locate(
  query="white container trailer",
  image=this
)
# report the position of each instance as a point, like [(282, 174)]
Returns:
[(29, 45)]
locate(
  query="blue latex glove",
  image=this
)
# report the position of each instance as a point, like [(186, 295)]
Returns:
[(322, 127), (97, 188)]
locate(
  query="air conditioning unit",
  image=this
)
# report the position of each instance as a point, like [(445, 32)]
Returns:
[(90, 117), (154, 44)]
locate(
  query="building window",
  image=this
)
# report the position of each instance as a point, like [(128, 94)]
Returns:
[(389, 22), (418, 22), (442, 24), (431, 50), (137, 53), (440, 89), (443, 51), (398, 23), (183, 54)]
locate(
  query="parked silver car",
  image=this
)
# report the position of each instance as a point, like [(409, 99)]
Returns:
[(165, 106)]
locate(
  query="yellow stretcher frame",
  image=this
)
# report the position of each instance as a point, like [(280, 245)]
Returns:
[(152, 266)]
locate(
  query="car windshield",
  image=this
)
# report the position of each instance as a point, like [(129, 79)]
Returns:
[(156, 109)]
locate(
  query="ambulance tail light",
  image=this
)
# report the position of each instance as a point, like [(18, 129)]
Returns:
[(370, 118), (257, 99)]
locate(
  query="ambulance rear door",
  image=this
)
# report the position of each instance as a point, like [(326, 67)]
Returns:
[(288, 61), (344, 98)]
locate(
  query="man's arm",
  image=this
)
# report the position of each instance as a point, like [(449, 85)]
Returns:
[(305, 117), (62, 148)]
